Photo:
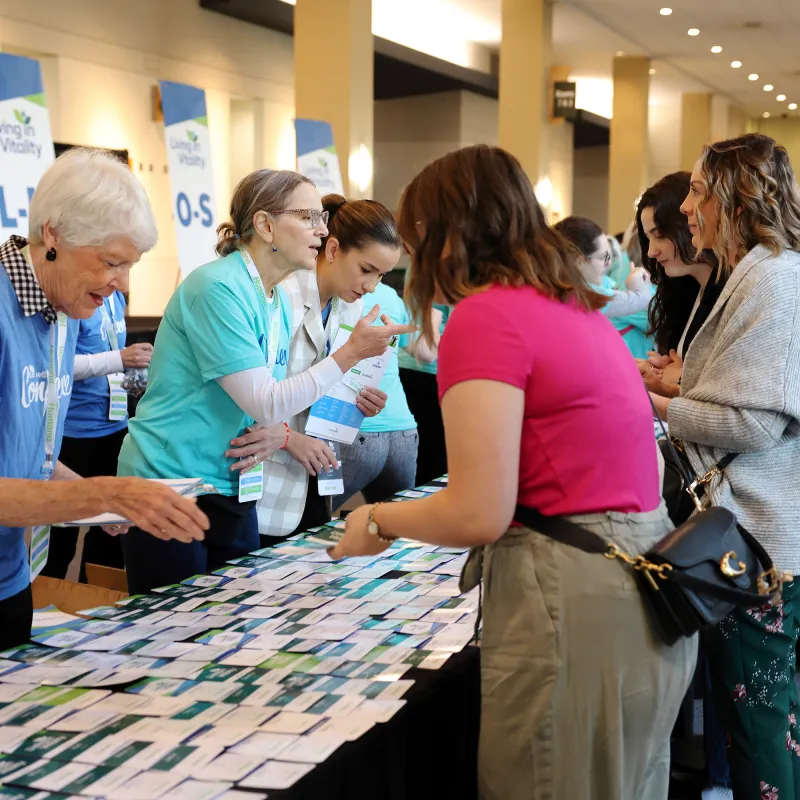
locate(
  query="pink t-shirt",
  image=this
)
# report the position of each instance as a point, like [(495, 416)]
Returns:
[(587, 433)]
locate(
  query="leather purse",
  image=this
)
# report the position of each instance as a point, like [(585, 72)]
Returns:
[(693, 577)]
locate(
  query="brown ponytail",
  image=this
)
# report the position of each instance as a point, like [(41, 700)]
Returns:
[(358, 223)]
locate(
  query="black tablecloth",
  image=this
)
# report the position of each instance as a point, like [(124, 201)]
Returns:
[(427, 751)]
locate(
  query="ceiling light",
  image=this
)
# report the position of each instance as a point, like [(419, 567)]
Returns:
[(620, 53), (693, 31), (768, 87), (653, 72), (766, 115), (780, 98), (716, 49), (736, 64), (753, 76), (792, 106), (665, 12)]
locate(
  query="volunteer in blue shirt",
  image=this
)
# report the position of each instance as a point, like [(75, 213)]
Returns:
[(383, 459), (220, 354), (90, 221), (96, 423)]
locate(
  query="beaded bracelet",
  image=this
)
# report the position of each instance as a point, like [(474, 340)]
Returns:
[(286, 441)]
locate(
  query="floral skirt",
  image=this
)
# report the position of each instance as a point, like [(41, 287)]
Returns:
[(753, 662)]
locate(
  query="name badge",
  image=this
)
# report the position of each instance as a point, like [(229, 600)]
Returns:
[(251, 484), (118, 398), (331, 482), (40, 547)]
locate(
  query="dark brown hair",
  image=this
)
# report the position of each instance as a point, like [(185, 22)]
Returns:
[(759, 203), (470, 220), (358, 223), (262, 190), (582, 232)]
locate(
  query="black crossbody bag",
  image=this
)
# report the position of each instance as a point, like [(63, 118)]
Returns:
[(693, 577)]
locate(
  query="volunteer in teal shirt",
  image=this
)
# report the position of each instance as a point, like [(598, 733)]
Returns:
[(383, 458), (216, 373)]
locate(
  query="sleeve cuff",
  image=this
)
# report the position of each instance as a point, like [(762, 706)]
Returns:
[(115, 361)]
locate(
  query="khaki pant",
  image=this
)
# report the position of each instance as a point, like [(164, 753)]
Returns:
[(579, 697)]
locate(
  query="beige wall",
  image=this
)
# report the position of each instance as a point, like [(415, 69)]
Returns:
[(590, 185), (664, 143), (100, 59), (787, 133)]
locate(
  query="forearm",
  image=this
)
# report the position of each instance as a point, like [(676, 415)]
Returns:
[(624, 303), (97, 364), (26, 502), (269, 401), (738, 430)]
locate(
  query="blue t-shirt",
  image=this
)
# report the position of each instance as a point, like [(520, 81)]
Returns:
[(632, 327), (87, 417), (396, 416), (214, 325), (24, 362), (407, 361)]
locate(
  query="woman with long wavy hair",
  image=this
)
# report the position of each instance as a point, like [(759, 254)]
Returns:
[(740, 393), (578, 696)]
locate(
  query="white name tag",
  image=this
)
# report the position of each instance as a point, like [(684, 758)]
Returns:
[(251, 484), (118, 398), (331, 481)]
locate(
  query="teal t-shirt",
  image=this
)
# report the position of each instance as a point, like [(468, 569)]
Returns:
[(407, 361), (396, 416), (634, 325), (214, 325)]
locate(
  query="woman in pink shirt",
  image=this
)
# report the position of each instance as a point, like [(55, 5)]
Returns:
[(543, 406)]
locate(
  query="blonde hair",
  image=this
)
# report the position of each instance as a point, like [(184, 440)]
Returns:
[(754, 184), (262, 190)]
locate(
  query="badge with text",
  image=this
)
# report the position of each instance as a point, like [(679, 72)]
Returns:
[(331, 481), (251, 484), (40, 547), (118, 404)]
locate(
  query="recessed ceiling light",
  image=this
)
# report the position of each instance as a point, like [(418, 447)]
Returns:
[(780, 98), (753, 76), (716, 49), (665, 12), (736, 64), (620, 53), (768, 87), (766, 115), (792, 106), (653, 72), (693, 31)]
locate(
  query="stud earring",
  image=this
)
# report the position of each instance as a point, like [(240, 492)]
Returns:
[(51, 254), (274, 249)]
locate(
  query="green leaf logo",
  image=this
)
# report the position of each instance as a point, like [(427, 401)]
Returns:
[(323, 163), (21, 117), (192, 136)]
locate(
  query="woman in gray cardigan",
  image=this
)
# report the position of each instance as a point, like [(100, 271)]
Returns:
[(740, 393)]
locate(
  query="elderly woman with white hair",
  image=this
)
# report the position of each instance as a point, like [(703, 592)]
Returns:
[(90, 222)]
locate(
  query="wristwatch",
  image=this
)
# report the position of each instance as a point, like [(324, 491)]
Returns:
[(374, 529)]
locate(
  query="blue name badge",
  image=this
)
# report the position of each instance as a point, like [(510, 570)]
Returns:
[(331, 481)]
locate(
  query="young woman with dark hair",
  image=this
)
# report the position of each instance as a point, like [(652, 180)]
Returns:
[(561, 717)]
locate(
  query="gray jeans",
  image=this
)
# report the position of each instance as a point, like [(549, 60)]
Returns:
[(379, 465)]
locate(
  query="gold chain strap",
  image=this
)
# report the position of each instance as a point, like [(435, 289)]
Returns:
[(641, 564)]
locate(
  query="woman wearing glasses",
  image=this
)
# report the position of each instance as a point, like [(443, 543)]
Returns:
[(627, 310), (218, 367)]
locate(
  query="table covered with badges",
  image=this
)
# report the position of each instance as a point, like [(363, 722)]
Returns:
[(283, 674)]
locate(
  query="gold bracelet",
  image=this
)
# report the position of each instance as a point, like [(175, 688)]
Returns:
[(374, 529)]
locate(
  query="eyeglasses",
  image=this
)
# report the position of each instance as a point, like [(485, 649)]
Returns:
[(606, 258), (310, 216)]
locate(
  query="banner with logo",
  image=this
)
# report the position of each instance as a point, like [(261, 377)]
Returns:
[(316, 155), (190, 178), (26, 143)]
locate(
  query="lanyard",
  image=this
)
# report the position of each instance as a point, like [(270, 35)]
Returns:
[(275, 322), (58, 341), (108, 322), (335, 325)]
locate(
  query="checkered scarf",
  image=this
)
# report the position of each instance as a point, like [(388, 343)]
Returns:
[(29, 293)]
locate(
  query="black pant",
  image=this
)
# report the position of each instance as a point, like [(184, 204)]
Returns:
[(16, 617), (423, 400), (152, 562), (90, 458)]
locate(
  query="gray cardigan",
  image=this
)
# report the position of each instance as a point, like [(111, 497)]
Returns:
[(740, 393)]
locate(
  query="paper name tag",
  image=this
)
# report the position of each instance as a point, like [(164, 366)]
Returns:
[(251, 484), (331, 482), (118, 397), (40, 547)]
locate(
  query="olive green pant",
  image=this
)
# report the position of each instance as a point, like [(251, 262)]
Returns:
[(752, 658), (579, 697)]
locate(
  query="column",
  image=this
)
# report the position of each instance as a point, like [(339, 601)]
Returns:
[(628, 159), (696, 123), (522, 82), (333, 79)]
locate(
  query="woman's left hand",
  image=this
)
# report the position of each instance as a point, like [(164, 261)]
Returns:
[(371, 401), (257, 445), (357, 541)]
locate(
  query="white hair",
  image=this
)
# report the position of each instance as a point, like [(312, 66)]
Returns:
[(90, 198)]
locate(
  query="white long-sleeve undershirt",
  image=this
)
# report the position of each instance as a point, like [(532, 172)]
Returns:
[(95, 365)]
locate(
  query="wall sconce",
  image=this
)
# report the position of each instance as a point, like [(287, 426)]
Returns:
[(544, 192), (360, 168)]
